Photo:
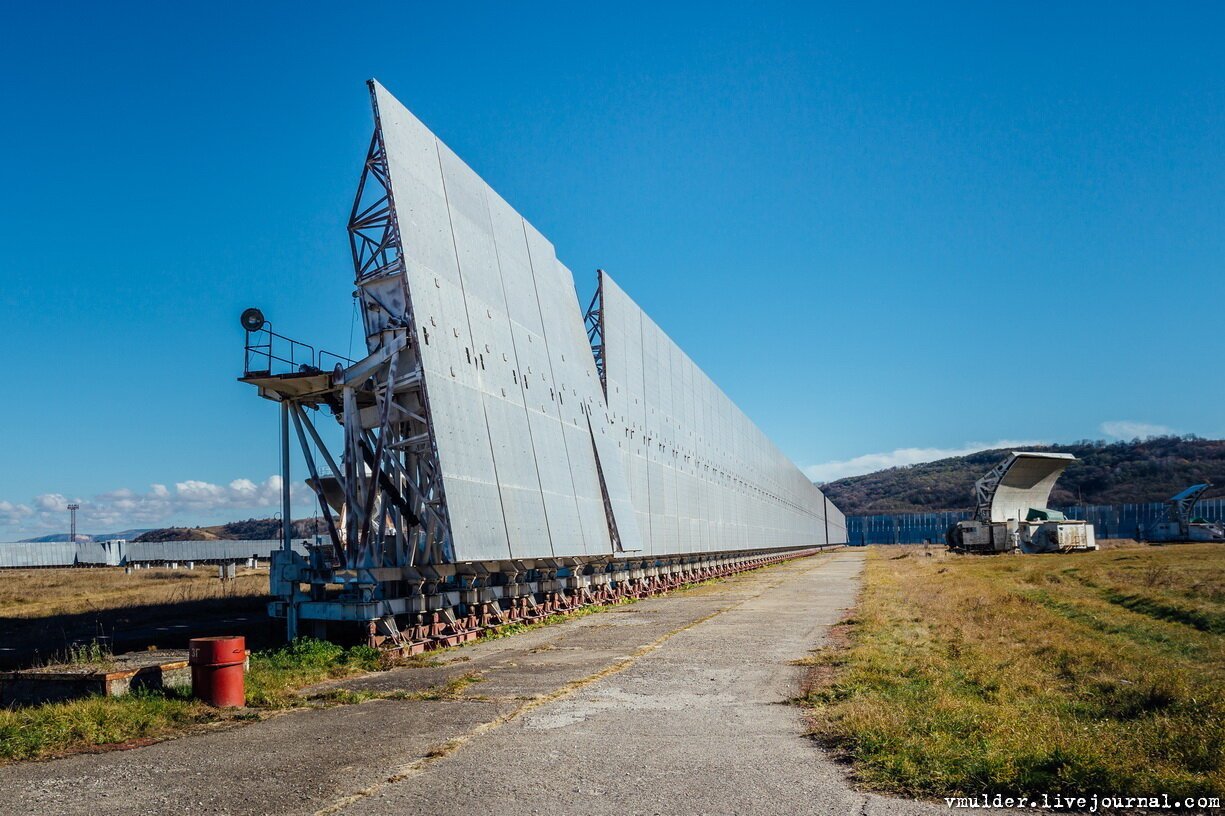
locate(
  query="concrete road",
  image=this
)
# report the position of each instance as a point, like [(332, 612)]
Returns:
[(672, 705)]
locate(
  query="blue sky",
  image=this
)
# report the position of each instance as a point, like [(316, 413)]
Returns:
[(887, 231)]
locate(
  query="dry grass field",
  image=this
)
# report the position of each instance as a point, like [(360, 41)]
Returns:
[(44, 592), (49, 615), (1094, 672), (89, 601)]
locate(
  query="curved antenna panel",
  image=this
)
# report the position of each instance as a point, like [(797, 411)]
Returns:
[(1022, 481)]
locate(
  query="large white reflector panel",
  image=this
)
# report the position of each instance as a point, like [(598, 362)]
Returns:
[(516, 416), (702, 476)]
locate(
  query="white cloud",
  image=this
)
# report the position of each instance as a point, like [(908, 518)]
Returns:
[(1130, 429), (189, 502), (872, 462), (50, 501), (11, 514)]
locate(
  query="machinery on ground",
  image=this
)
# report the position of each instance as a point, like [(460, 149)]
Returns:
[(1010, 512), (1181, 524), (501, 456)]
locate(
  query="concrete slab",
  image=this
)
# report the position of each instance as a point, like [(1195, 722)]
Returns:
[(112, 677)]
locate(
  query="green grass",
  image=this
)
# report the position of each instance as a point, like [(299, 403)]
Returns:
[(1099, 672), (56, 728), (277, 674), (37, 731)]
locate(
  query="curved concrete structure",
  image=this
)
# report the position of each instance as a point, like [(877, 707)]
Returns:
[(1022, 482)]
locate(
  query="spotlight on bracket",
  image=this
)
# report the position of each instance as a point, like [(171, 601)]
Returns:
[(252, 319)]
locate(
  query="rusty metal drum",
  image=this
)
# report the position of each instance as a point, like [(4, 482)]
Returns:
[(217, 668)]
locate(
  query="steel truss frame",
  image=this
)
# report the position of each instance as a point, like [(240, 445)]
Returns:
[(1180, 508), (985, 487), (400, 449), (383, 501), (593, 319)]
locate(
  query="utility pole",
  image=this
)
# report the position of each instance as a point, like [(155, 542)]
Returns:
[(72, 512)]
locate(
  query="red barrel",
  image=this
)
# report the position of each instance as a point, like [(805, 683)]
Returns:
[(217, 665)]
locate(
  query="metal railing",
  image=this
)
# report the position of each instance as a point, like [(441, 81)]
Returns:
[(267, 352)]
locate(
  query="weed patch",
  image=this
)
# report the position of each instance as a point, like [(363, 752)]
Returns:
[(29, 733), (276, 674)]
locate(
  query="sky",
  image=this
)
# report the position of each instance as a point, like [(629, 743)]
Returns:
[(889, 232)]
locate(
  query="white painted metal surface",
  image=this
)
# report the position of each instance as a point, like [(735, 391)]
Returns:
[(701, 475)]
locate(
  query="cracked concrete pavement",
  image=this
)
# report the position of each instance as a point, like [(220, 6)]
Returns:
[(674, 705)]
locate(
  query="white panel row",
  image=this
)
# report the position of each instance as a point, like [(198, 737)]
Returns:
[(116, 553), (522, 428), (702, 476)]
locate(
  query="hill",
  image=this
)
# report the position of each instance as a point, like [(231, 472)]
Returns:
[(54, 537), (249, 530), (1106, 473)]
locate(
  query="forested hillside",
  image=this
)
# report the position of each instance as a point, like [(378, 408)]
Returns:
[(1137, 471), (249, 530)]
